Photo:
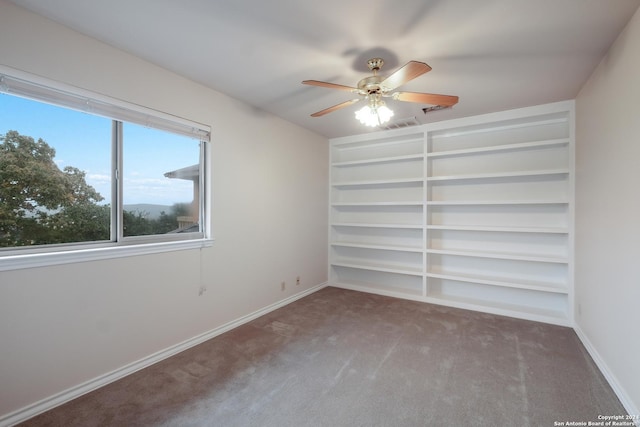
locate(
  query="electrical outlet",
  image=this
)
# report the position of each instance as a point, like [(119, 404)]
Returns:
[(282, 286), (297, 280)]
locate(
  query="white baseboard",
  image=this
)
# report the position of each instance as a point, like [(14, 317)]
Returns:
[(58, 399), (624, 398)]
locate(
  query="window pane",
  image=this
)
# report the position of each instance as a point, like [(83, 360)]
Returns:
[(161, 182), (55, 174)]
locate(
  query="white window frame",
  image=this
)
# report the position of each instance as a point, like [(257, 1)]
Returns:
[(19, 83)]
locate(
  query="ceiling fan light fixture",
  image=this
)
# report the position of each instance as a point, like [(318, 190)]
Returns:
[(374, 115)]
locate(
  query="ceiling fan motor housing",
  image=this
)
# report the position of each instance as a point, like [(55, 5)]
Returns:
[(370, 85)]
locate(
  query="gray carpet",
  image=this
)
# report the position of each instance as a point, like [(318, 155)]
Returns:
[(344, 358)]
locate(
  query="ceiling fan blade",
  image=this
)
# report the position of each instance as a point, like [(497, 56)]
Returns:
[(335, 107), (426, 98), (329, 85), (406, 73)]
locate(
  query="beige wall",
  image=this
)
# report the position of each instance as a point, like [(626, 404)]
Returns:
[(64, 325), (607, 274)]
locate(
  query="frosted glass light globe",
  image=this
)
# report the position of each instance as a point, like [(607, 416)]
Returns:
[(374, 116)]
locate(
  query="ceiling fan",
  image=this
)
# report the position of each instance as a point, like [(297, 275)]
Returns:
[(375, 87)]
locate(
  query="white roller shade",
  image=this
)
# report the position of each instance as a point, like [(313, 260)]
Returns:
[(33, 87)]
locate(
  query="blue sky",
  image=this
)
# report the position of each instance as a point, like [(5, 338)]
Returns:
[(84, 141)]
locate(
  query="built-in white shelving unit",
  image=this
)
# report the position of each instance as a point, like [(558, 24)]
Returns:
[(475, 213)]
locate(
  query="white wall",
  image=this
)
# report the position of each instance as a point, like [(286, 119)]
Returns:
[(64, 325), (607, 274)]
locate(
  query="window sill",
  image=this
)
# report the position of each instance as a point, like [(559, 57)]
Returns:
[(92, 253)]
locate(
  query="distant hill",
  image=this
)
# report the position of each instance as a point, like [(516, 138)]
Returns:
[(151, 211)]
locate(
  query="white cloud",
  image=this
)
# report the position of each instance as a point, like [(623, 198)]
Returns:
[(98, 178)]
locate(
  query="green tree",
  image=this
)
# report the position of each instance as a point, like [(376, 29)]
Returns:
[(39, 203), (169, 221), (138, 223)]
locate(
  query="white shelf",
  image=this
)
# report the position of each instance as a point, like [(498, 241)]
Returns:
[(357, 143), (378, 182), (382, 247), (549, 230), (512, 174), (495, 202), (373, 204), (505, 147), (379, 160), (498, 255), (387, 268), (490, 129), (389, 290), (376, 225), (501, 282), (558, 317)]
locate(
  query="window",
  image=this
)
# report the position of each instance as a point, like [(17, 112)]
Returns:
[(80, 171), (160, 182)]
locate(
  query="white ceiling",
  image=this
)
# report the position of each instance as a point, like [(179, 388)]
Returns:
[(493, 54)]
